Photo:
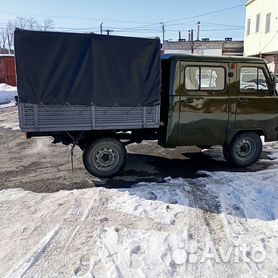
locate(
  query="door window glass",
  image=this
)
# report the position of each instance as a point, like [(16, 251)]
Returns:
[(252, 79), (192, 78), (205, 78)]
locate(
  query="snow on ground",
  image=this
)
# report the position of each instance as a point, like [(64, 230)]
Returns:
[(223, 224), (9, 119), (7, 94)]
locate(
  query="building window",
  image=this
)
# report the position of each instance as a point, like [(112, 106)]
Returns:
[(268, 21), (258, 23), (204, 78), (248, 27)]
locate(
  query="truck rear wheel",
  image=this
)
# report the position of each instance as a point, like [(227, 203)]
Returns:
[(244, 150), (104, 157)]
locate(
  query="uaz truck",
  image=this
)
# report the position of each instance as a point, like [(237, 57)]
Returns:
[(103, 92)]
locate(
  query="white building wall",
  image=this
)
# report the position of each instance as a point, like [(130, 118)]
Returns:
[(260, 42), (197, 51), (209, 52), (177, 51)]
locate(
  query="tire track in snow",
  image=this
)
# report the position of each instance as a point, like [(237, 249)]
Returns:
[(81, 222), (209, 226), (35, 255)]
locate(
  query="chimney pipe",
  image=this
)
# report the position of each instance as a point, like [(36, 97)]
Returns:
[(192, 42), (198, 30)]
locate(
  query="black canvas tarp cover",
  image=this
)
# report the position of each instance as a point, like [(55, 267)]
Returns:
[(87, 69)]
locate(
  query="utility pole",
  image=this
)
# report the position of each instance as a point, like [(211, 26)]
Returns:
[(198, 30), (101, 24), (192, 42), (163, 33)]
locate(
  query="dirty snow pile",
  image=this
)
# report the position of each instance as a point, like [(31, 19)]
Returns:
[(223, 224), (7, 94), (9, 119)]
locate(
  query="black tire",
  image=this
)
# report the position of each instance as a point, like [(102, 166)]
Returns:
[(245, 149), (104, 157)]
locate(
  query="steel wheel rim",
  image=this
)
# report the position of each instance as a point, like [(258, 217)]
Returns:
[(245, 149), (105, 158)]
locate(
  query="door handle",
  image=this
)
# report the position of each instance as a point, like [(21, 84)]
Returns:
[(189, 100), (243, 100)]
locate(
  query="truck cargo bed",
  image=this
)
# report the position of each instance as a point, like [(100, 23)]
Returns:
[(37, 118)]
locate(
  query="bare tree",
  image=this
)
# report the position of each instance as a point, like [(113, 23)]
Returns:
[(48, 24), (21, 22), (30, 23), (3, 35), (10, 34)]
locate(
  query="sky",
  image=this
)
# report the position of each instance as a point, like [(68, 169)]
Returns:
[(219, 18)]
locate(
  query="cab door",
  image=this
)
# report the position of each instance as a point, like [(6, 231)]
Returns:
[(204, 103), (257, 103)]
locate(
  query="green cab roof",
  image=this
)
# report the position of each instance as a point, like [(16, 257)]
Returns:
[(203, 58)]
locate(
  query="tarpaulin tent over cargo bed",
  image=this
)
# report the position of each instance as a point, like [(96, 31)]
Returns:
[(55, 68)]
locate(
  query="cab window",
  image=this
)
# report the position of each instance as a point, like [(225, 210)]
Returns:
[(204, 78), (252, 79)]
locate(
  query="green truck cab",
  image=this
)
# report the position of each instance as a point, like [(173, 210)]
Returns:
[(227, 101)]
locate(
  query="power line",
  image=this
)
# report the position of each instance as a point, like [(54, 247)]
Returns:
[(208, 30), (129, 21), (150, 27), (77, 18), (220, 24), (204, 14)]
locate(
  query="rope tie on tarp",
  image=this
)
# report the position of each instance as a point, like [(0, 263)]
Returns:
[(74, 143), (55, 109), (72, 106)]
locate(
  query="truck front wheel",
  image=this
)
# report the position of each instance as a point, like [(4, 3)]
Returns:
[(244, 150), (104, 157)]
